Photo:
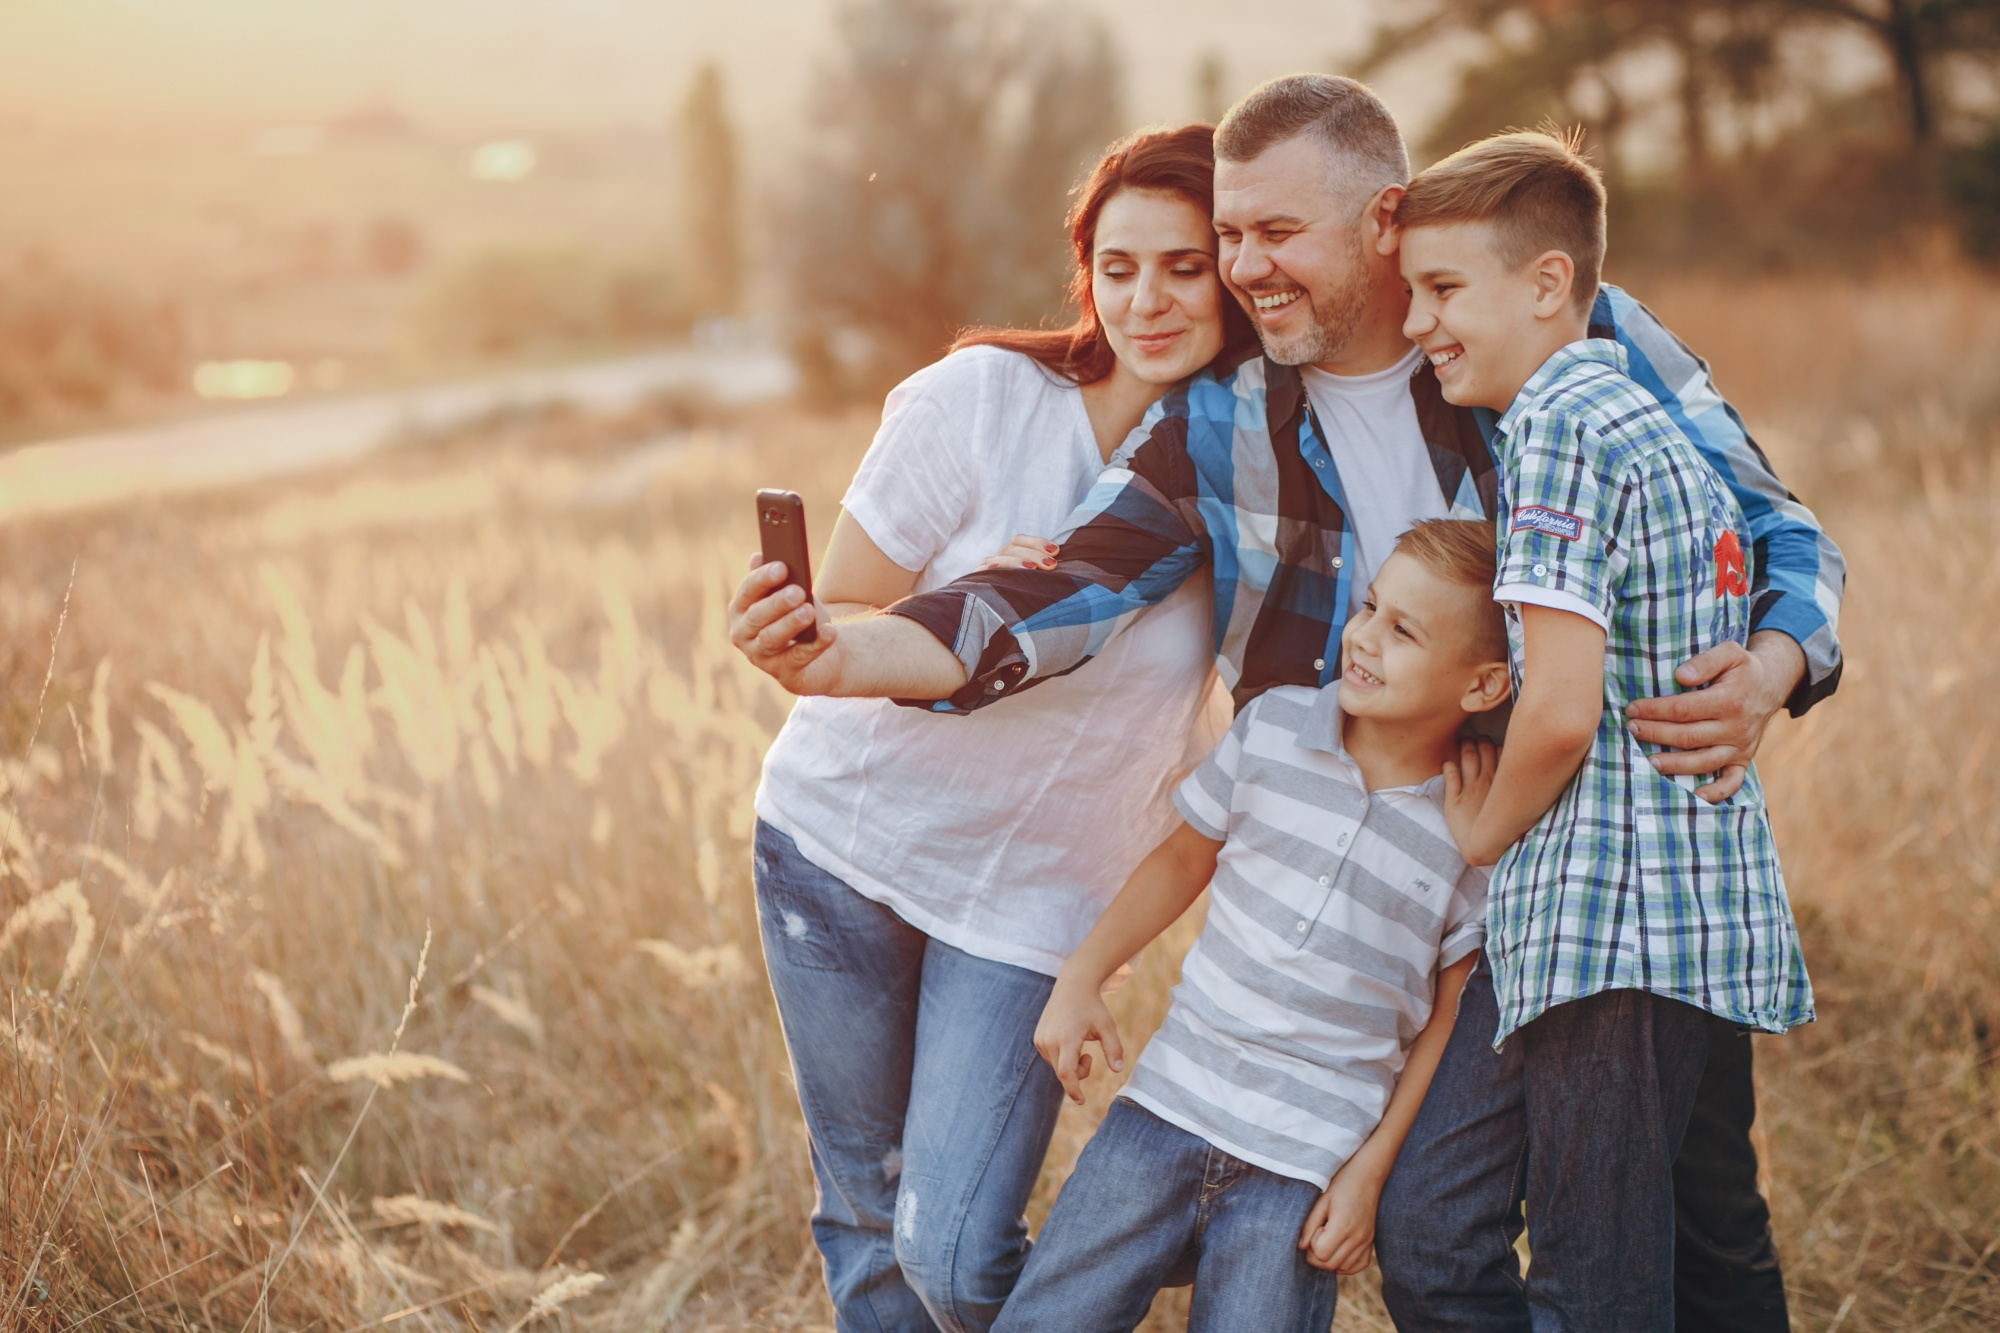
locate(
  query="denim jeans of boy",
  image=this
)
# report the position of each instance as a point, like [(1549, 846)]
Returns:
[(1579, 1118), (1150, 1205), (927, 1110), (1726, 1273)]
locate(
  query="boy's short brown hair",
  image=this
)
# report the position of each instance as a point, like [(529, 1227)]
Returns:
[(1539, 192), (1462, 551)]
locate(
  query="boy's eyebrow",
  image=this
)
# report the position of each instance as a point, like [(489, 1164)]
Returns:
[(1433, 274)]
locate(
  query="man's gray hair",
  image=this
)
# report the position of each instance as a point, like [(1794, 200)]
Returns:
[(1341, 113)]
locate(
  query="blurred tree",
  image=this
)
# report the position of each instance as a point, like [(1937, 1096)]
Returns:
[(932, 195), (1209, 99), (1556, 58), (712, 217)]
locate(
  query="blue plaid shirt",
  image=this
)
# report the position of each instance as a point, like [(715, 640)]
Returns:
[(1631, 881), (1231, 473)]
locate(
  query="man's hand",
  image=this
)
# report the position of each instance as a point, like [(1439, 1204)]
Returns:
[(1468, 780), (1339, 1234), (765, 619), (1717, 729), (1076, 1013)]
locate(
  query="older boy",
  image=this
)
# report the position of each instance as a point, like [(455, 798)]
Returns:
[(1624, 909), (1341, 924)]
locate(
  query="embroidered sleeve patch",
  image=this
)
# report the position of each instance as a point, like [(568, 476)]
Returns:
[(1729, 579), (1549, 522)]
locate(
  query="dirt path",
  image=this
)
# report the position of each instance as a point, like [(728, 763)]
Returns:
[(229, 447)]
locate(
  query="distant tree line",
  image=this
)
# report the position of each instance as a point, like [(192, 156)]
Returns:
[(945, 138), (1775, 162)]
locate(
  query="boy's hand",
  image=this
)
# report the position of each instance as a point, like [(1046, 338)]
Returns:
[(1075, 1014), (1468, 780), (1339, 1234)]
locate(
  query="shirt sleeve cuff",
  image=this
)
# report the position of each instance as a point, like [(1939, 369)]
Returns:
[(1530, 594), (1197, 809), (985, 647)]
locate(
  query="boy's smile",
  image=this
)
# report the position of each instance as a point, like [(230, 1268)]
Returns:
[(1485, 327), (1409, 654)]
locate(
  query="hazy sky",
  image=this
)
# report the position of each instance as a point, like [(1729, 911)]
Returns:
[(495, 66)]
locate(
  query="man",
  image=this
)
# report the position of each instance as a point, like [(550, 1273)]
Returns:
[(1291, 477)]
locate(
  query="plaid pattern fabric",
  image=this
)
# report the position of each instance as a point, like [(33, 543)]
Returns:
[(1631, 880), (1231, 473)]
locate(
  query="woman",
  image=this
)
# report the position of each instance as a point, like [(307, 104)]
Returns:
[(920, 879)]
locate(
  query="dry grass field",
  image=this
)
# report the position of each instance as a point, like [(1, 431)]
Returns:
[(376, 933)]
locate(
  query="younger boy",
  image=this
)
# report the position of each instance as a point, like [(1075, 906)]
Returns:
[(1341, 924), (1629, 908)]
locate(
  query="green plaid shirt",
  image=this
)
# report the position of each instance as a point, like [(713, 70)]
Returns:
[(1631, 881)]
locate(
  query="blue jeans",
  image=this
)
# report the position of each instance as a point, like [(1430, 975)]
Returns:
[(1150, 1205), (1579, 1118), (927, 1110)]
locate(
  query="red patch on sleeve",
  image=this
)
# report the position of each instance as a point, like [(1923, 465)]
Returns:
[(1729, 580)]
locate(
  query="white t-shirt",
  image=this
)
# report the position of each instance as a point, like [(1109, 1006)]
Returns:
[(1370, 424), (1004, 832)]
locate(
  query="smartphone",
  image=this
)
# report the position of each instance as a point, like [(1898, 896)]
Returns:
[(781, 521)]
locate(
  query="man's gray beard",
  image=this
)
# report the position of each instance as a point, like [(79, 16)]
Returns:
[(1332, 327)]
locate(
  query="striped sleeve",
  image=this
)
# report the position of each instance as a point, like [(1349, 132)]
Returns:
[(1207, 795), (1465, 918), (1799, 573)]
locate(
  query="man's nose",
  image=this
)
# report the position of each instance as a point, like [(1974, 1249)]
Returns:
[(1249, 264)]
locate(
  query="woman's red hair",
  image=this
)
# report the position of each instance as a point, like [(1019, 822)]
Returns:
[(1179, 162)]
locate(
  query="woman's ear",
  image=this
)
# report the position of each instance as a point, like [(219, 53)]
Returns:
[(1488, 689), (1555, 278)]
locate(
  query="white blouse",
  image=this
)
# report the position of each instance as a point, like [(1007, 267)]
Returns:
[(1003, 833)]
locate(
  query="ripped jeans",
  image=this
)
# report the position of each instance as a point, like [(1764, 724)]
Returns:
[(927, 1109)]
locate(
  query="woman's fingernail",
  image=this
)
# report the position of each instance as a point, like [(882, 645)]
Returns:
[(1050, 549)]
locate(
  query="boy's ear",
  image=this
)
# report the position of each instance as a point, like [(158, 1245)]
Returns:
[(1555, 277), (1488, 688)]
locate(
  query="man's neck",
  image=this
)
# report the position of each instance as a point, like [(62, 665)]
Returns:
[(1401, 753)]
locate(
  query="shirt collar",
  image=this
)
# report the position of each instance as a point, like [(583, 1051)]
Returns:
[(1322, 731), (1584, 351)]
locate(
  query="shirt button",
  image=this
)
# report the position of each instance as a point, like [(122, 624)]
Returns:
[(1325, 880), (1319, 664), (1338, 562), (1541, 570), (1340, 841), (1319, 462), (1301, 927), (999, 685)]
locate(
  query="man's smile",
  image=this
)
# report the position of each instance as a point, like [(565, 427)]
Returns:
[(1276, 300), (1444, 356)]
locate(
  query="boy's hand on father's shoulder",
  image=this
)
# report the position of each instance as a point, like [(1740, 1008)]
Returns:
[(1468, 781), (1339, 1234), (1732, 694), (1076, 1014)]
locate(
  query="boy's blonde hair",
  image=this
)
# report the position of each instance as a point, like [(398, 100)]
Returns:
[(1539, 192), (1462, 551)]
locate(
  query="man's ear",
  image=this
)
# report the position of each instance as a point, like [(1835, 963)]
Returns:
[(1555, 277), (1488, 689), (1380, 214)]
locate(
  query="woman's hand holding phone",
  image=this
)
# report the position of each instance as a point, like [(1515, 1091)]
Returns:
[(766, 618)]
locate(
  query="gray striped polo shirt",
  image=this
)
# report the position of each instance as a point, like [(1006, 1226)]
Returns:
[(1331, 911)]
